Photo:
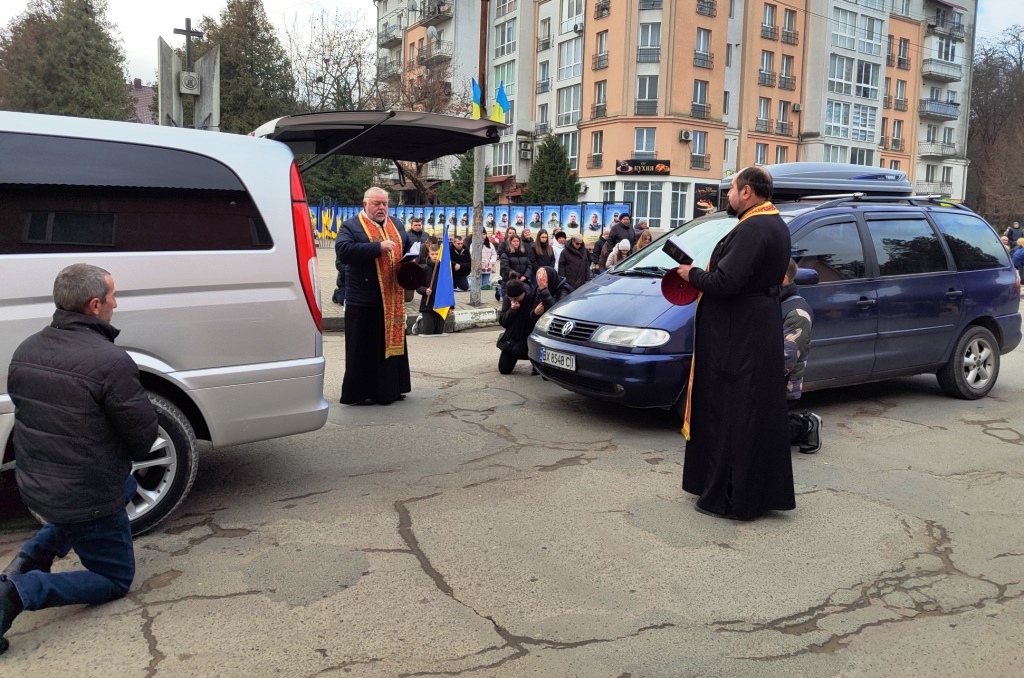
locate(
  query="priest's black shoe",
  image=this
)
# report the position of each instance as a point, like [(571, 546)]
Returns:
[(23, 563), (10, 607)]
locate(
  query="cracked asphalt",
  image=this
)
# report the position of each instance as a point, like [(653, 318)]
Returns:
[(500, 526)]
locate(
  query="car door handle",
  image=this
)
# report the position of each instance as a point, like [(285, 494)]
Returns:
[(865, 303), (953, 294)]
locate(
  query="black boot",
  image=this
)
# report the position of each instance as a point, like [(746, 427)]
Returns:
[(10, 607), (23, 563)]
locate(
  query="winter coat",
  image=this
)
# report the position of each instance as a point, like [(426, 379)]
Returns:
[(539, 259), (427, 300), (598, 254), (488, 258), (620, 231), (463, 259), (797, 319), (556, 290), (615, 257), (1017, 258), (81, 419), (355, 250), (413, 236), (574, 266), (518, 261)]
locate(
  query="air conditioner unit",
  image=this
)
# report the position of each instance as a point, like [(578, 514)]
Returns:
[(578, 28), (685, 135), (525, 154), (797, 108)]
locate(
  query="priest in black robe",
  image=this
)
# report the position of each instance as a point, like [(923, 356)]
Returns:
[(737, 457)]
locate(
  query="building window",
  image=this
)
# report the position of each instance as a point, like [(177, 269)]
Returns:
[(542, 114), (646, 199), (863, 128), (861, 156), (608, 191), (901, 7), (760, 154), (728, 54), (501, 161), (947, 175), (789, 20), (699, 143), (844, 28), (768, 18), (780, 154), (650, 35), (867, 80), (835, 153), (602, 42), (647, 88), (502, 8), (677, 214), (644, 143), (571, 143), (597, 147), (504, 38), (840, 74), (764, 107), (570, 58), (837, 119), (897, 131), (703, 41), (572, 15), (948, 135), (894, 164), (569, 105), (545, 29), (601, 93), (946, 50), (505, 73), (725, 103), (873, 4), (870, 37)]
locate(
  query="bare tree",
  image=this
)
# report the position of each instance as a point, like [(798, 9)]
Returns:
[(333, 60)]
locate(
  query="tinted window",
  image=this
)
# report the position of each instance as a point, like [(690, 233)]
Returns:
[(971, 240), (833, 250), (905, 246)]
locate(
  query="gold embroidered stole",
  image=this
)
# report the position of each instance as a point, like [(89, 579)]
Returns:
[(765, 208), (392, 295)]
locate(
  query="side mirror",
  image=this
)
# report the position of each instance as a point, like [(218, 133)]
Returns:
[(806, 276)]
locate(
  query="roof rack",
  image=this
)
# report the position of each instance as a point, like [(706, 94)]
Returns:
[(913, 200)]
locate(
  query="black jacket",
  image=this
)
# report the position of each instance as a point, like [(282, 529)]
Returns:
[(619, 232), (81, 418), (540, 259), (574, 266), (462, 259), (427, 300), (519, 262), (355, 250)]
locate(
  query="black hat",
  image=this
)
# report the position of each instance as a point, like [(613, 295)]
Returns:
[(411, 276), (560, 235), (624, 215)]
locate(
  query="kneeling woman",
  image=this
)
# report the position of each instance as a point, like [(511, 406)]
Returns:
[(520, 310)]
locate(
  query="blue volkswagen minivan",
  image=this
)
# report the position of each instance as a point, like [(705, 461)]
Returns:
[(899, 285)]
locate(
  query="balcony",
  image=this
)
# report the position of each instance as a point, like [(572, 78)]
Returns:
[(898, 144), (784, 128), (883, 143), (651, 4), (389, 36), (936, 69), (600, 61), (703, 59), (646, 107), (890, 59), (602, 9), (544, 43), (645, 155), (790, 37), (707, 7), (435, 12), (765, 78), (936, 149), (541, 128), (763, 125), (594, 160), (598, 111), (543, 85), (903, 63), (505, 8), (388, 69), (934, 187), (700, 161), (698, 110), (939, 110), (770, 32), (887, 101), (435, 52), (900, 104), (648, 55), (955, 30), (787, 81)]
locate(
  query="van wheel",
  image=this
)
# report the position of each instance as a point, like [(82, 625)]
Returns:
[(166, 475), (973, 366)]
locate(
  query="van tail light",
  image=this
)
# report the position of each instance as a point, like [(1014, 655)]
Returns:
[(305, 249)]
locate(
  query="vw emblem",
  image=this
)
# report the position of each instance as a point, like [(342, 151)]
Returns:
[(568, 327)]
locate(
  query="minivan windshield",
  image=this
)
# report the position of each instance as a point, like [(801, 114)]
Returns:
[(700, 235)]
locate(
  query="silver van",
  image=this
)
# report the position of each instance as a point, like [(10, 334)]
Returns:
[(209, 239)]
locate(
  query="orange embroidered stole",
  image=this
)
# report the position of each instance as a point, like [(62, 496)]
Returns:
[(390, 292), (764, 208)]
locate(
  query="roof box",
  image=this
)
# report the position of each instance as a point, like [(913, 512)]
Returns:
[(795, 180)]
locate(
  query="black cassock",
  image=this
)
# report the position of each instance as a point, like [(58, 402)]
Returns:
[(738, 457)]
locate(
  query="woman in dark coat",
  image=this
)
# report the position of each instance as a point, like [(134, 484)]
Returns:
[(541, 252), (520, 310), (574, 262), (515, 262)]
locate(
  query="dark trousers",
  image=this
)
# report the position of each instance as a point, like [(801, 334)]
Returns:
[(508, 359), (462, 284), (432, 323)]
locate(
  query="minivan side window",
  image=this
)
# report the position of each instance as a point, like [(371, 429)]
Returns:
[(906, 246), (972, 241), (833, 250)]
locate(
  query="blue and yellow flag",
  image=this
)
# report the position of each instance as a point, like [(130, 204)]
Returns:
[(478, 100), (501, 104), (444, 292)]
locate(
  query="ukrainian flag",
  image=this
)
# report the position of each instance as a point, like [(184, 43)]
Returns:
[(444, 291), (501, 105), (478, 101)]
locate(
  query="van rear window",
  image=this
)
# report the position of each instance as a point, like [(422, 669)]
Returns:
[(972, 241)]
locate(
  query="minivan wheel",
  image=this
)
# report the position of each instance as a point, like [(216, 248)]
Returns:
[(973, 366)]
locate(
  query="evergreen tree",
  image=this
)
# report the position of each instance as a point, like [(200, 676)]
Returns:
[(341, 177), (460, 190), (256, 81), (550, 179), (60, 57)]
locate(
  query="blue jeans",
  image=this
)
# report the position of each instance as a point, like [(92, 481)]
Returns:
[(103, 545)]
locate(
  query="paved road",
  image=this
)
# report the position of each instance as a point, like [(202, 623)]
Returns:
[(499, 526)]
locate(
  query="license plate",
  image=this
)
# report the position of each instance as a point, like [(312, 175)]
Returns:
[(563, 361)]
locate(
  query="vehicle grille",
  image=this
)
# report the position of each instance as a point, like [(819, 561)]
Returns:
[(571, 379), (581, 331)]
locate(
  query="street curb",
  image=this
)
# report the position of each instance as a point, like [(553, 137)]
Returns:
[(458, 321)]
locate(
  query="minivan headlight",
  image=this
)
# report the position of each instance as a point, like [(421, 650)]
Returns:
[(544, 323), (634, 337)]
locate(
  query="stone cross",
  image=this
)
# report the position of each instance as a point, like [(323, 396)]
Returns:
[(189, 34)]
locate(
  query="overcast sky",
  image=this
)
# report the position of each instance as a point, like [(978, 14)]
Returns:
[(140, 22)]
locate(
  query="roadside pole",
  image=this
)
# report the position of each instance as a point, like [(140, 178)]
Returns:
[(479, 159)]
